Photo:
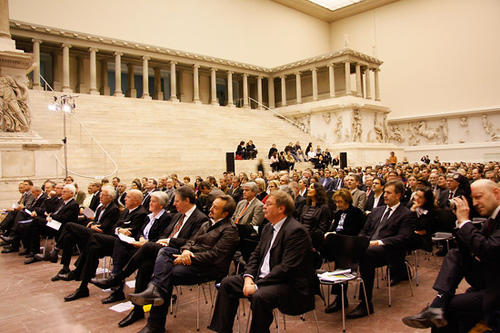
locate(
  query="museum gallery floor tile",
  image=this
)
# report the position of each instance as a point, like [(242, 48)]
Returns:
[(32, 303)]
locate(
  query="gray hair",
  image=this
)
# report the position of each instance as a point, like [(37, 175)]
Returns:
[(71, 188), (161, 196), (252, 186), (136, 193), (110, 190)]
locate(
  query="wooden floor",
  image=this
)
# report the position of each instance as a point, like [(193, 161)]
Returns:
[(32, 303)]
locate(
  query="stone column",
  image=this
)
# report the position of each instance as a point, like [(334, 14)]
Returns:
[(331, 79), (283, 90), (93, 71), (196, 84), (145, 78), (245, 91), (131, 91), (230, 102), (377, 84), (158, 94), (66, 87), (347, 78), (173, 82), (118, 74), (314, 72), (213, 86), (298, 87), (270, 92), (368, 89), (36, 70), (259, 92), (104, 78), (6, 43), (359, 91)]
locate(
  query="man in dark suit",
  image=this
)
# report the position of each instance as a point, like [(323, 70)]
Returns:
[(96, 196), (155, 222), (106, 215), (205, 257), (279, 273), (183, 227), (376, 196), (151, 186), (388, 229), (327, 181), (249, 209), (476, 260), (339, 181), (121, 194), (236, 191), (26, 200)]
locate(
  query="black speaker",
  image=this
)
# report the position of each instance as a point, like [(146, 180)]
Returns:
[(343, 160), (230, 162)]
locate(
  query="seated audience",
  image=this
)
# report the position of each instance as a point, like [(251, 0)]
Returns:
[(249, 209), (316, 214)]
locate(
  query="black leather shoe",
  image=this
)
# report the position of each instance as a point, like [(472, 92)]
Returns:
[(30, 255), (53, 256), (149, 296), (31, 260), (10, 249), (336, 306), (360, 311), (106, 283), (23, 253), (79, 293), (57, 277), (149, 329), (131, 318), (70, 276), (40, 256), (428, 317), (7, 239), (114, 297)]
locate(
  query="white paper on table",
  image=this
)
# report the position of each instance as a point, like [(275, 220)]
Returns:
[(122, 307), (126, 239), (88, 212), (27, 211), (56, 225), (130, 284)]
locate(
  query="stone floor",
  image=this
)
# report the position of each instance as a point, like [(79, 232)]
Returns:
[(32, 303)]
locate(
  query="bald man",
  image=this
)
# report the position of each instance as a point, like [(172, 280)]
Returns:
[(476, 260)]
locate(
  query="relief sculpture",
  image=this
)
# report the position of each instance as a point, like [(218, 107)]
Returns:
[(14, 111), (489, 129)]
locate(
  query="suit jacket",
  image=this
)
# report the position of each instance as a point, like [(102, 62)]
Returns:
[(147, 199), (96, 200), (213, 246), (353, 222), (156, 229), (67, 213), (108, 218), (236, 193), (188, 230), (290, 264), (27, 199), (50, 205), (442, 197), (38, 202), (370, 201), (338, 184), (327, 183), (358, 199), (484, 243), (396, 231), (300, 201), (254, 214), (120, 200), (133, 220)]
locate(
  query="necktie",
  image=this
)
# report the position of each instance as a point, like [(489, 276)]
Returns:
[(241, 214), (266, 267), (383, 220), (178, 226), (451, 195)]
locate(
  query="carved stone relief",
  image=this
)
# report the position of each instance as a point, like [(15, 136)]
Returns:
[(357, 129), (14, 110), (378, 128), (489, 129), (396, 134), (327, 117), (443, 128), (464, 124)]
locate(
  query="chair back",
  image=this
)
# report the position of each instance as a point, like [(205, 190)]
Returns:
[(345, 250), (248, 240)]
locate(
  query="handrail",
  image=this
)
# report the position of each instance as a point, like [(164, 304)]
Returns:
[(115, 170)]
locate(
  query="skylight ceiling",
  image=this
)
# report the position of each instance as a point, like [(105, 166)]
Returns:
[(335, 4)]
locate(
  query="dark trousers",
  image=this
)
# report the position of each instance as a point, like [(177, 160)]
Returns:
[(166, 275), (73, 233), (464, 310), (36, 229), (98, 246), (377, 256), (122, 252), (263, 301)]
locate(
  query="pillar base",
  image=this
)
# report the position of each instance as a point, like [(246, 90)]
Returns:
[(174, 100), (118, 94), (146, 97), (132, 93), (197, 101), (38, 87), (215, 103), (67, 90), (95, 92), (246, 107), (230, 105)]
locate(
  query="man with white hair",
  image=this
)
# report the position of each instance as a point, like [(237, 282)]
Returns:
[(476, 260), (250, 209)]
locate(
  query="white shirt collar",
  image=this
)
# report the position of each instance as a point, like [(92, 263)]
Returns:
[(160, 213), (278, 225), (495, 212), (189, 212)]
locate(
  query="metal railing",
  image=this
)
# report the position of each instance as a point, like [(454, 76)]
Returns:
[(92, 139)]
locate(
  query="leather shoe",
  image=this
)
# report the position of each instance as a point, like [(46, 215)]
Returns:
[(106, 283), (23, 253), (41, 257), (9, 249), (360, 311), (53, 256), (7, 239), (57, 277), (150, 329), (79, 293), (428, 317), (31, 260), (149, 296), (336, 306), (131, 318), (70, 276), (114, 297)]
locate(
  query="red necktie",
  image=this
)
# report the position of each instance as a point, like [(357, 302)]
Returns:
[(178, 226), (241, 214)]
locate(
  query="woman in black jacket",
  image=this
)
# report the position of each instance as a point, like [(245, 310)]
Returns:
[(316, 213), (426, 219)]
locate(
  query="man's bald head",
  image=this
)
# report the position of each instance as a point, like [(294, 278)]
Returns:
[(485, 196)]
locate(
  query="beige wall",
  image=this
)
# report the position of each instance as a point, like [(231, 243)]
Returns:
[(259, 32), (439, 55)]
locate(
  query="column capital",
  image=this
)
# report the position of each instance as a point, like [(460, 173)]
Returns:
[(260, 77), (245, 74), (116, 53), (35, 40), (196, 65), (213, 69), (63, 45), (331, 64), (93, 49), (282, 76), (172, 62), (146, 58), (230, 72), (314, 69)]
